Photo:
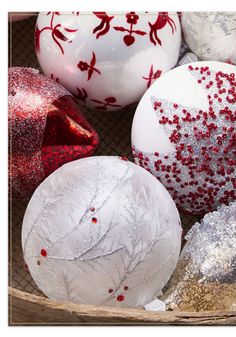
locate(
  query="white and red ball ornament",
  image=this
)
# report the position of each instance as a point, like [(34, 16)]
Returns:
[(211, 35), (107, 60), (103, 231), (184, 132)]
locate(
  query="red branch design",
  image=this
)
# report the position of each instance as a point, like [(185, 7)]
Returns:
[(152, 76), (81, 94), (57, 35), (84, 66), (104, 25), (108, 102), (162, 20)]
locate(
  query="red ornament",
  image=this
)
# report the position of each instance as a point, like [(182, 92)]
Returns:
[(46, 129)]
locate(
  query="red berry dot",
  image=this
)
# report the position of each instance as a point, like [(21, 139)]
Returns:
[(120, 298), (92, 209), (44, 252), (110, 291), (94, 220), (126, 288)]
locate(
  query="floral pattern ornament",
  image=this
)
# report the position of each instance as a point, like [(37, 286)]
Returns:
[(57, 35), (104, 25), (132, 19), (84, 66), (162, 20), (99, 68)]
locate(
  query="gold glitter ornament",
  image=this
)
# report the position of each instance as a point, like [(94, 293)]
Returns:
[(205, 276)]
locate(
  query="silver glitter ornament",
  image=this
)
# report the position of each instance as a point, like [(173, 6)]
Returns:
[(205, 276)]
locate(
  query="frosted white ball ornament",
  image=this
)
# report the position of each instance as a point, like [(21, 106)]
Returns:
[(184, 133), (107, 60), (103, 231), (211, 35)]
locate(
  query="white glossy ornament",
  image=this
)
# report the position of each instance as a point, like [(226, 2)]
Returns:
[(211, 35), (102, 231), (184, 133), (107, 60)]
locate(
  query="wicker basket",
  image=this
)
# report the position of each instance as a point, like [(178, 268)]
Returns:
[(27, 304)]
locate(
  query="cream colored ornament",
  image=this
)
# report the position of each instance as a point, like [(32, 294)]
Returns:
[(211, 35), (101, 231)]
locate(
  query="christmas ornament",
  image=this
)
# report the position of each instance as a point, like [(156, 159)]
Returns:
[(211, 35), (107, 60), (205, 276), (46, 129), (184, 133), (103, 231)]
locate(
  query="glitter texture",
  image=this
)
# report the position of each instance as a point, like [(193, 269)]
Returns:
[(205, 276), (200, 172), (46, 129), (124, 258)]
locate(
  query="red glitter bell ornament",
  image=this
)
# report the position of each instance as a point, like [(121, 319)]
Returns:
[(184, 132), (46, 129)]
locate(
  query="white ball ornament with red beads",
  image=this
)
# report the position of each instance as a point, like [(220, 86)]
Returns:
[(101, 231), (107, 60), (184, 133)]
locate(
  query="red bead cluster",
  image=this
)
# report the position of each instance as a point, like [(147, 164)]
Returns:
[(120, 297), (201, 172)]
